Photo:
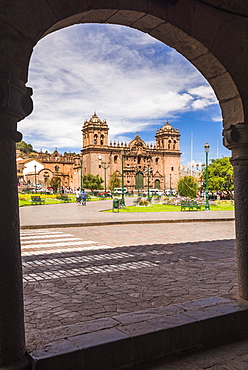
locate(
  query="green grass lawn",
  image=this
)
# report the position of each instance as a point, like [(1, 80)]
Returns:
[(25, 199), (172, 208)]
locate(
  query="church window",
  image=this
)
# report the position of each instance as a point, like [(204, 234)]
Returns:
[(174, 144), (139, 160), (95, 139), (115, 158), (169, 144), (172, 168), (156, 160), (56, 168), (100, 166), (102, 139)]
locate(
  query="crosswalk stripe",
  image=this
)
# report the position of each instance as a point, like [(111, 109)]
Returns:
[(31, 237), (50, 241), (28, 252), (39, 242), (86, 271), (36, 232), (63, 250), (76, 259), (62, 244)]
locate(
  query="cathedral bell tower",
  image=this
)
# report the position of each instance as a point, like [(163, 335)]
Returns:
[(95, 132), (168, 138)]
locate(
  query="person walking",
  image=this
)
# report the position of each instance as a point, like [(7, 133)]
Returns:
[(83, 198), (78, 196)]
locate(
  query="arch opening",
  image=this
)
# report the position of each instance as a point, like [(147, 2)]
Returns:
[(176, 35)]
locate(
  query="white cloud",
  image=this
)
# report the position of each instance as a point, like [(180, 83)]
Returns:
[(126, 76), (217, 118)]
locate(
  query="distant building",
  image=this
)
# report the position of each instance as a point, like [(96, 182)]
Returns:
[(57, 165), (28, 170), (162, 160)]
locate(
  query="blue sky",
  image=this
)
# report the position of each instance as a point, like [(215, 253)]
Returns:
[(128, 78)]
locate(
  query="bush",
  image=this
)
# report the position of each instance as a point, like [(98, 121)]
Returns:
[(143, 203)]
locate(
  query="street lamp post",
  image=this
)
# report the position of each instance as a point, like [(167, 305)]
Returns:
[(138, 183), (35, 187), (207, 146), (122, 179), (148, 196), (105, 165), (81, 172), (148, 173)]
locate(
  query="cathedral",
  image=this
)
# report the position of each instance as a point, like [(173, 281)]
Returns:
[(142, 164), (157, 164)]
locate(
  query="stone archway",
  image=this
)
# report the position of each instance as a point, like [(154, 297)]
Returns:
[(212, 36), (175, 23)]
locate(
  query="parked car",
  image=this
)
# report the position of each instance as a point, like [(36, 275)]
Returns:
[(154, 192), (170, 192), (119, 190)]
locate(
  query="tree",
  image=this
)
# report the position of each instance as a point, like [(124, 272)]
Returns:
[(114, 181), (55, 183), (92, 182), (71, 153), (187, 187), (220, 176), (24, 147)]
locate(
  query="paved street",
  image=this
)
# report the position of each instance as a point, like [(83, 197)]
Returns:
[(66, 214), (75, 275)]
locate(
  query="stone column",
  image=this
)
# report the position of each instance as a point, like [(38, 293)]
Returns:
[(236, 139), (15, 104)]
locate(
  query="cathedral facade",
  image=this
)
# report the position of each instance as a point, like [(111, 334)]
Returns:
[(156, 164)]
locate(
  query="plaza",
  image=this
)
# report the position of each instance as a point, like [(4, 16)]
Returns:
[(100, 273)]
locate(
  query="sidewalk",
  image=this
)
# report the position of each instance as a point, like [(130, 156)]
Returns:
[(69, 214)]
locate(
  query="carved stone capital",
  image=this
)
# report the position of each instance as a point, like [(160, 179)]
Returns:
[(15, 105), (235, 135), (236, 139), (15, 97)]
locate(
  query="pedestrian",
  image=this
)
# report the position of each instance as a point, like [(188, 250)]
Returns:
[(78, 196), (83, 198)]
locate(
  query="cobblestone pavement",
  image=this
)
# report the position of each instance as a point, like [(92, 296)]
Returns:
[(77, 275), (232, 356)]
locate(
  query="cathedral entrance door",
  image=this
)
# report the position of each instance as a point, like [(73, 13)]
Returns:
[(139, 180), (157, 184)]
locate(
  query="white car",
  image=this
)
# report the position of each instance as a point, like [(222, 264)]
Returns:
[(154, 192), (170, 192), (119, 190)]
